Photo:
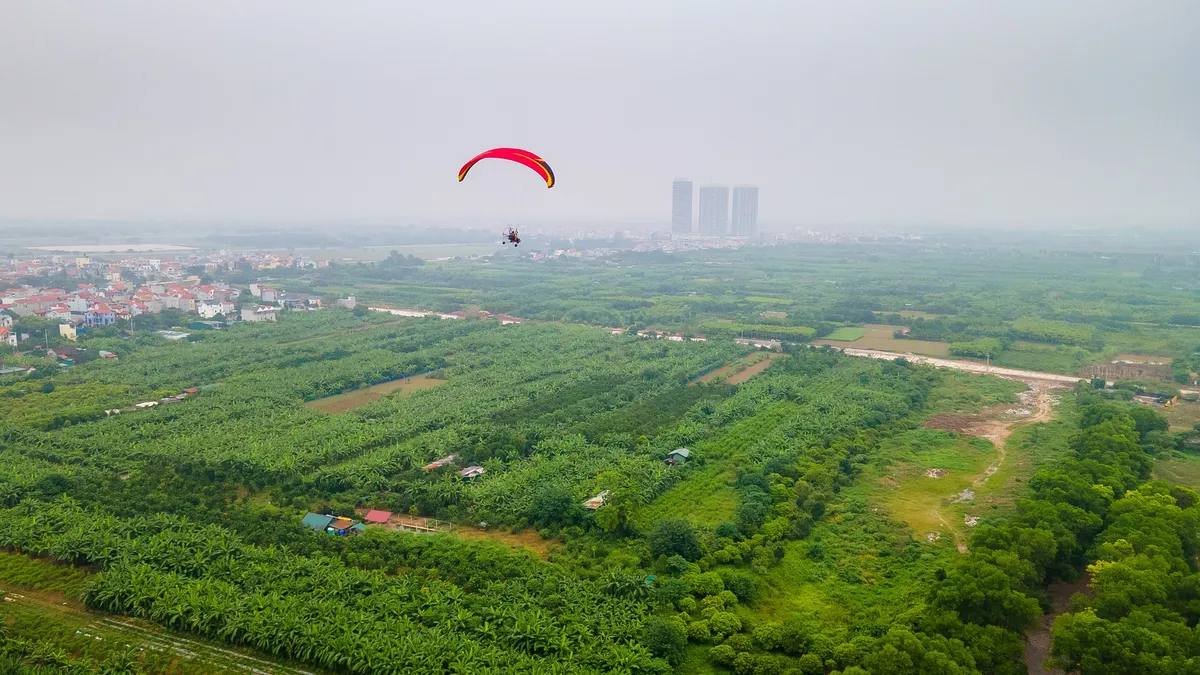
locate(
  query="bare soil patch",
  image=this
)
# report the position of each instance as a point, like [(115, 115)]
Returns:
[(742, 369), (360, 397), (525, 539), (753, 370)]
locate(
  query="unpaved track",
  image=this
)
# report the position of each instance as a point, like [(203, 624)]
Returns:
[(142, 635), (967, 366), (998, 431)]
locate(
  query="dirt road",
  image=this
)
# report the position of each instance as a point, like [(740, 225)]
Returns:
[(135, 633), (996, 427), (968, 366)]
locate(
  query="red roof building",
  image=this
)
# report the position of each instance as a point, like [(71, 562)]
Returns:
[(378, 517)]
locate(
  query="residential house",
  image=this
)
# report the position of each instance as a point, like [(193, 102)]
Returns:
[(100, 315), (270, 295), (66, 353), (259, 313), (210, 308), (68, 331), (6, 321), (349, 303)]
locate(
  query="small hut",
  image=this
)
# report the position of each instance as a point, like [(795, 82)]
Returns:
[(471, 472), (679, 456)]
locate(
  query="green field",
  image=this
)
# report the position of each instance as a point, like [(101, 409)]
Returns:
[(795, 538), (847, 333)]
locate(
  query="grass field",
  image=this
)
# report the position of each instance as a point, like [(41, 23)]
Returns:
[(879, 336), (847, 333), (707, 497), (1185, 471), (926, 504), (360, 397), (1182, 416), (527, 540)]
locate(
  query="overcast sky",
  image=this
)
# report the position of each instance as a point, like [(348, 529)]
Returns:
[(1048, 112)]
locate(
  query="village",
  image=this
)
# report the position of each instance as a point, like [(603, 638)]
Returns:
[(115, 290)]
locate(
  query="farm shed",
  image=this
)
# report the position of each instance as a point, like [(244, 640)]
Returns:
[(376, 516), (679, 456), (316, 521), (471, 472)]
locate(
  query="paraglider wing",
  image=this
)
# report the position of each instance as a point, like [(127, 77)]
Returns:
[(517, 155)]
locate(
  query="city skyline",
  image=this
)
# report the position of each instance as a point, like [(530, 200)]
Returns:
[(952, 114), (715, 215)]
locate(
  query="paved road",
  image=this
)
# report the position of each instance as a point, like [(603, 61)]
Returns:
[(969, 366)]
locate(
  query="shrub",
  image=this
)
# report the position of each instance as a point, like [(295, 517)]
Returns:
[(740, 642), (665, 638), (769, 635), (675, 536), (728, 598), (742, 586), (697, 631), (722, 654), (707, 583), (724, 623)]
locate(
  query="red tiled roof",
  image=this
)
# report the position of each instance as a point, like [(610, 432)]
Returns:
[(374, 516)]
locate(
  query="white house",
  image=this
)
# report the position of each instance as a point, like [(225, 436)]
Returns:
[(258, 314), (207, 309)]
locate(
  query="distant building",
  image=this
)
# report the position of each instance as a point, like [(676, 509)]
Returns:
[(258, 314), (471, 472), (681, 206), (714, 210), (67, 331), (745, 211), (100, 315), (349, 302), (210, 308)]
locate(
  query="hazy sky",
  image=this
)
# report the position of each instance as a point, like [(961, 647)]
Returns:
[(1056, 112)]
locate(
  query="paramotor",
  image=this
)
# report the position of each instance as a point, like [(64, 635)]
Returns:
[(517, 155)]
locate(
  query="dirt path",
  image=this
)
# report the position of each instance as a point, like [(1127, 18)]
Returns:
[(1037, 641), (967, 366), (135, 633), (997, 431)]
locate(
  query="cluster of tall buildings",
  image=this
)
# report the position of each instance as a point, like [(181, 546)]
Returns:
[(714, 209)]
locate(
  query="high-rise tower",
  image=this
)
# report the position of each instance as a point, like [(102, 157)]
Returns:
[(714, 210), (681, 206), (745, 211)]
